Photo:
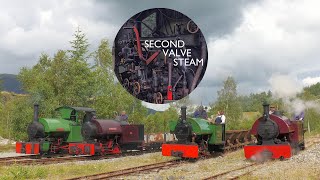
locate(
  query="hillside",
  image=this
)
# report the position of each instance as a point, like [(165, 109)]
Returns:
[(10, 83)]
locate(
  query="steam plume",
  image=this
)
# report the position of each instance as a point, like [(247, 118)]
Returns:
[(287, 88)]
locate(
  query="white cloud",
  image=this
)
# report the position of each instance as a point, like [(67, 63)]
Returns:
[(274, 37), (310, 80), (28, 29)]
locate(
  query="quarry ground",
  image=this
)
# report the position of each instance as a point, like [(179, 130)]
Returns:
[(305, 165)]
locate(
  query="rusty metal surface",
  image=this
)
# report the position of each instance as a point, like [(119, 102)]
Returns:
[(234, 139), (159, 137), (237, 138), (117, 174)]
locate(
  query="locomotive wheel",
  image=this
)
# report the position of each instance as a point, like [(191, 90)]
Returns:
[(281, 158), (136, 88), (126, 83), (192, 27), (158, 98)]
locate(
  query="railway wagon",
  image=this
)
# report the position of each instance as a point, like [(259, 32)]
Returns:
[(68, 133), (278, 137), (154, 141), (198, 137)]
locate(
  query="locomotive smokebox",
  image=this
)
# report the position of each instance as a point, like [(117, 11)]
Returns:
[(36, 112), (184, 113), (35, 130), (266, 107)]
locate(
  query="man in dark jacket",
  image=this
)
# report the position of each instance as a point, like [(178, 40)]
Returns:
[(124, 118), (200, 113)]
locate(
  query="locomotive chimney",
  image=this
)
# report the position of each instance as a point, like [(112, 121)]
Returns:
[(36, 112), (184, 113), (266, 110)]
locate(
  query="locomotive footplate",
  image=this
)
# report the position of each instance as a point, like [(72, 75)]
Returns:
[(276, 151), (180, 150)]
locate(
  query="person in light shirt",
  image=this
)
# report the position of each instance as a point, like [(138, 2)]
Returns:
[(221, 118), (272, 109)]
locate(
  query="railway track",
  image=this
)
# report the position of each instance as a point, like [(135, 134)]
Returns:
[(29, 160), (140, 169), (245, 170), (15, 158), (131, 171), (226, 174), (34, 159), (7, 160), (164, 165)]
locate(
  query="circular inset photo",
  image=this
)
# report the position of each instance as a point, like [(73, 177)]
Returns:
[(160, 55)]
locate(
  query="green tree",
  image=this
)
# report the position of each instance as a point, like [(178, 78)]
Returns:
[(1, 82), (159, 122), (103, 56), (253, 102), (228, 102), (169, 114), (80, 46), (68, 79), (110, 97), (186, 101), (15, 117), (312, 118), (1, 100)]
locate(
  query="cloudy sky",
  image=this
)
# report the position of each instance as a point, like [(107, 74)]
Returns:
[(249, 40)]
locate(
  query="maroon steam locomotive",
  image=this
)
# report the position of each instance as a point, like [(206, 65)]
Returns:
[(277, 136)]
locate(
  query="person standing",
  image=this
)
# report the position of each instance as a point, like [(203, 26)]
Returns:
[(196, 113), (200, 113), (203, 112), (272, 109), (300, 116), (124, 117), (221, 118)]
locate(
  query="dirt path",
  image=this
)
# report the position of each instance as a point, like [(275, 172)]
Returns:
[(305, 165)]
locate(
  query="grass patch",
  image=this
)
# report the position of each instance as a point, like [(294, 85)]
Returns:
[(204, 168), (301, 171), (69, 170), (7, 147), (312, 134)]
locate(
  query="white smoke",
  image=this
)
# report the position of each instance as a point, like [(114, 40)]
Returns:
[(299, 105), (284, 86), (287, 88)]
